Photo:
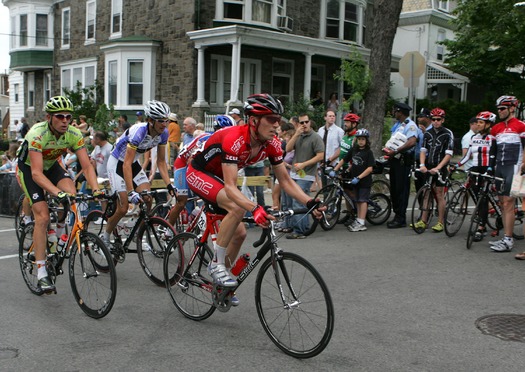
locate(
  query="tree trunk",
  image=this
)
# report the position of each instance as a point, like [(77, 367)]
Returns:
[(385, 16)]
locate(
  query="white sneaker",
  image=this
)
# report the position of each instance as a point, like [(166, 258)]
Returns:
[(356, 226), (220, 275), (503, 245), (99, 221)]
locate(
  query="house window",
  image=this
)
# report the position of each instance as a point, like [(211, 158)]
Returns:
[(77, 74), (112, 82), (318, 80), (16, 88), (47, 87), (90, 20), (344, 20), (135, 82), (262, 11), (116, 16), (66, 27), (41, 29), (259, 11), (23, 30), (220, 79), (233, 9), (282, 78), (440, 49), (13, 32), (442, 5), (31, 90)]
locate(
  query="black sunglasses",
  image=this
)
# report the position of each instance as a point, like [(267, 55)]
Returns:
[(502, 108), (304, 122)]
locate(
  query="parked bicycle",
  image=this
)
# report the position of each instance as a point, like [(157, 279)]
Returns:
[(91, 270), (292, 300), (151, 234)]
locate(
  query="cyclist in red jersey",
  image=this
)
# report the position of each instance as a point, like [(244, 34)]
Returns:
[(213, 176), (510, 138)]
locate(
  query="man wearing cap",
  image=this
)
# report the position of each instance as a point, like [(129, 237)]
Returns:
[(236, 115), (424, 123), (140, 117), (401, 160), (174, 136)]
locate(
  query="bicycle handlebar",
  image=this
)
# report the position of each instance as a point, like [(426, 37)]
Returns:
[(278, 215), (485, 175)]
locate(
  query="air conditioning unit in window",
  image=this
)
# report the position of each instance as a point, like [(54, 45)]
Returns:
[(285, 23)]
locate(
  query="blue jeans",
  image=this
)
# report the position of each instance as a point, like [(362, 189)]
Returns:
[(286, 203), (300, 222)]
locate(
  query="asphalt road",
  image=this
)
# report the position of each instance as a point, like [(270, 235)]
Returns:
[(403, 302)]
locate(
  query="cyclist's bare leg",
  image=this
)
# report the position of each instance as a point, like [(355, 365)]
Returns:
[(230, 226), (362, 208), (147, 199), (440, 199), (232, 251), (507, 208), (179, 206), (121, 208), (41, 216), (26, 207)]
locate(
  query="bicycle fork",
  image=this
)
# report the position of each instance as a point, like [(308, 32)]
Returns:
[(278, 263)]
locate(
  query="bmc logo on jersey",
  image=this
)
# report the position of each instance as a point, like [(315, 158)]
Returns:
[(237, 144), (198, 183)]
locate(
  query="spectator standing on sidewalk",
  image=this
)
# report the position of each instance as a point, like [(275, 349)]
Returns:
[(332, 135), (309, 151)]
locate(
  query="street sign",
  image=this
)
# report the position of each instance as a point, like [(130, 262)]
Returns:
[(411, 67)]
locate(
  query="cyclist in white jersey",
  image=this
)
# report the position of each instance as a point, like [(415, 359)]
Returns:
[(126, 176)]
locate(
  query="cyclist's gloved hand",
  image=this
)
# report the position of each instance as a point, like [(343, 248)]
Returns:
[(259, 216), (354, 181), (332, 173), (171, 189), (134, 197), (98, 193), (63, 197)]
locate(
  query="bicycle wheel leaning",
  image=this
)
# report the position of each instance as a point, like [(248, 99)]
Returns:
[(153, 237), (332, 200), (19, 216), (27, 260), (95, 290), (456, 212), (301, 322), (191, 291), (423, 204), (380, 186), (379, 209), (475, 221)]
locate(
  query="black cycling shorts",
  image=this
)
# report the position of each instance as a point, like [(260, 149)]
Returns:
[(31, 189)]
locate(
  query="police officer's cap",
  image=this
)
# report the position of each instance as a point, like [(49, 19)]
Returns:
[(402, 107)]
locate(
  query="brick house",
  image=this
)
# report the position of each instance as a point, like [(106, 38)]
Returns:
[(198, 56)]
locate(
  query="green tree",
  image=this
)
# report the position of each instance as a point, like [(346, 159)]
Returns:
[(489, 45), (302, 106), (354, 72)]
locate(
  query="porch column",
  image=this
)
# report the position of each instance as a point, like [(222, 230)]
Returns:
[(235, 80), (201, 78), (307, 76)]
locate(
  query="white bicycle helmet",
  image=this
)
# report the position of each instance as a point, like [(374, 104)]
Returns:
[(157, 110)]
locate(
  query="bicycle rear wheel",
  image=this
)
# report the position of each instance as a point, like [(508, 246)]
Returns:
[(19, 216), (152, 240), (380, 186), (456, 212), (191, 291), (301, 326), (27, 259), (95, 222), (379, 209), (423, 205), (332, 200), (475, 221), (95, 290)]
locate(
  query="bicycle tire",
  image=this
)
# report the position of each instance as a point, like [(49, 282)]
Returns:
[(153, 238), (456, 211), (418, 208), (332, 200), (26, 259), (379, 209), (380, 186), (160, 210), (91, 226), (19, 217), (303, 327), (94, 290), (475, 221), (191, 291)]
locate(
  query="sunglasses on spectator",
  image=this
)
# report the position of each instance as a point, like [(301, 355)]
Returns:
[(62, 116), (437, 119), (304, 122)]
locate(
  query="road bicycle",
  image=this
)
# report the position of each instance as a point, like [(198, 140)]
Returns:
[(332, 196), (150, 233), (488, 194), (292, 300), (194, 222), (92, 273), (424, 207)]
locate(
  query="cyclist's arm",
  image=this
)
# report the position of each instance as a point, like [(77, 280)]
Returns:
[(37, 173), (339, 165), (147, 159), (129, 158), (443, 162), (229, 171), (289, 185), (422, 157), (89, 171), (161, 164)]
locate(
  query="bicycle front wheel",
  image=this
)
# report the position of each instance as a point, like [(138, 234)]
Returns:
[(191, 291), (300, 322), (475, 222), (94, 289), (456, 212), (152, 240), (332, 200), (27, 260), (379, 209), (95, 222)]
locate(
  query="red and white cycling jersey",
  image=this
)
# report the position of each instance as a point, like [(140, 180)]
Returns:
[(187, 152), (482, 149), (509, 140), (232, 145)]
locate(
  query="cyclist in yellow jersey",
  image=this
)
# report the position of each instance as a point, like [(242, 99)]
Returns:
[(40, 171)]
